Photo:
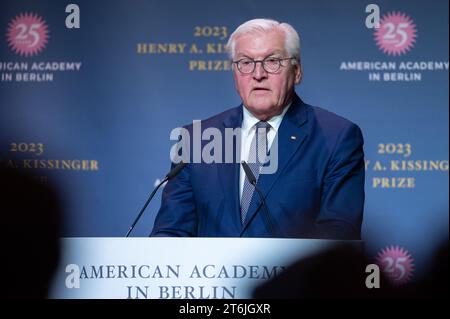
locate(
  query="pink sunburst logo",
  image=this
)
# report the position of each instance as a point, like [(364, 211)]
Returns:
[(27, 34), (397, 264), (396, 34)]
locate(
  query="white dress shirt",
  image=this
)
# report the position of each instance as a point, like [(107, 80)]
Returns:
[(247, 134)]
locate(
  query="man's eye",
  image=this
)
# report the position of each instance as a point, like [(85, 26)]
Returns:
[(272, 60), (246, 62)]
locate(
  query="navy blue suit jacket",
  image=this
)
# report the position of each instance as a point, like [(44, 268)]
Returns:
[(317, 191)]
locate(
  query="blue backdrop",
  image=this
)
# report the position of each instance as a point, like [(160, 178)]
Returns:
[(130, 74)]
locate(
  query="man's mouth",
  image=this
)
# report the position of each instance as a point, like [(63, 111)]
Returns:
[(260, 89)]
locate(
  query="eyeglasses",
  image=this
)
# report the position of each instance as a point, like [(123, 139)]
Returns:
[(269, 64)]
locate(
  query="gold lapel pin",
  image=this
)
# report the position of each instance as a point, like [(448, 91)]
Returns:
[(293, 137)]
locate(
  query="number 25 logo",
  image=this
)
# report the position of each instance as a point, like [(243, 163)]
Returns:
[(27, 34), (395, 267), (397, 264), (397, 33)]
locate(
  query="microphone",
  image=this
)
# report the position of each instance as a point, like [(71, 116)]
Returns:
[(251, 178), (173, 172)]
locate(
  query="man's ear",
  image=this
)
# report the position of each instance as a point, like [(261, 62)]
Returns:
[(235, 75), (298, 73)]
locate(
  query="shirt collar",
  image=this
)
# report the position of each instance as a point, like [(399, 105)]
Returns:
[(250, 120)]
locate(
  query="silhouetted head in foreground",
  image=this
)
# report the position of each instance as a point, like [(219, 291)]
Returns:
[(340, 272), (30, 220)]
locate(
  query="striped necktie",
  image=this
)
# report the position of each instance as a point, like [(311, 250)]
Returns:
[(258, 152)]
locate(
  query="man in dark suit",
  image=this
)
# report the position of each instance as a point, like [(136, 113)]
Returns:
[(317, 187)]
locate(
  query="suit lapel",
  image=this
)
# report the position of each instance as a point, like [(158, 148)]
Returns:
[(290, 138), (229, 175)]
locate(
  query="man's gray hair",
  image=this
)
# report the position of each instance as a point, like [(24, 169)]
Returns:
[(291, 37)]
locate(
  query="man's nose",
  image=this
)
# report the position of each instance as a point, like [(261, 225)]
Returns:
[(259, 72)]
